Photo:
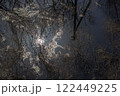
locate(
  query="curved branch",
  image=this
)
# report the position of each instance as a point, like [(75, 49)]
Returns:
[(84, 12)]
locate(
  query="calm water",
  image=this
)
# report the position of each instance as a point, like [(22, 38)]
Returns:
[(49, 51)]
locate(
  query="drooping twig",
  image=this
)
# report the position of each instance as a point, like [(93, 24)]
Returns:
[(75, 18), (84, 12)]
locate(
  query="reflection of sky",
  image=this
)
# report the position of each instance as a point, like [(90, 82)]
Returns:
[(50, 46), (55, 42), (97, 28)]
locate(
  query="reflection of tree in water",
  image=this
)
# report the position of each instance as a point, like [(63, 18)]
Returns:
[(112, 8), (30, 27), (32, 31), (107, 58)]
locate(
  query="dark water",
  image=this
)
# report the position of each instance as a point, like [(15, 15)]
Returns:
[(39, 45)]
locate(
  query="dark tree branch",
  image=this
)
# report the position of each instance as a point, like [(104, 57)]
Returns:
[(75, 17), (88, 5)]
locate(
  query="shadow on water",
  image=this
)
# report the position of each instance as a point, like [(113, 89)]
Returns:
[(60, 39)]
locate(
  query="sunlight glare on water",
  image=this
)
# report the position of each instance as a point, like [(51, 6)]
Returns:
[(39, 41)]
